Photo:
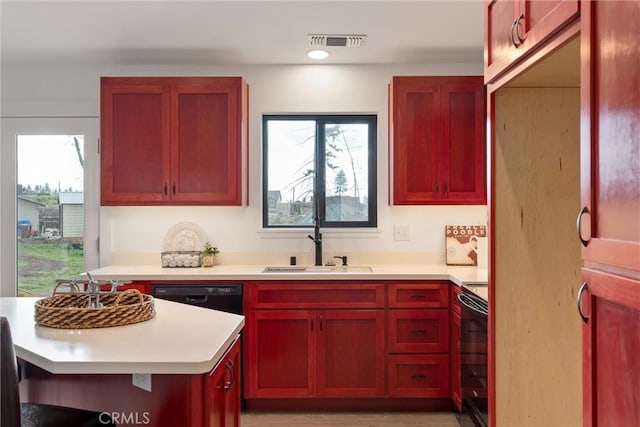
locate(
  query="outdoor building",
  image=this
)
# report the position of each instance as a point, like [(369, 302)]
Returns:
[(28, 216), (71, 215)]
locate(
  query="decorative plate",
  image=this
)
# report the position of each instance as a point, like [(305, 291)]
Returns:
[(185, 236)]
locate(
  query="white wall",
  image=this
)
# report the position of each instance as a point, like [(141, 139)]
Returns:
[(136, 234)]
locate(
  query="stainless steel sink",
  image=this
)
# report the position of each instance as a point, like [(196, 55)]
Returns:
[(318, 269)]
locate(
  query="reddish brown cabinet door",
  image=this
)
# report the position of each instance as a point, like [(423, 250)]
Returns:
[(516, 28), (172, 140), (135, 141), (611, 341), (351, 353), (223, 395), (610, 141), (416, 128), (462, 153), (205, 126), (281, 353), (437, 140)]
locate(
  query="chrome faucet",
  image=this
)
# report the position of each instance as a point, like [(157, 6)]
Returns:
[(317, 236)]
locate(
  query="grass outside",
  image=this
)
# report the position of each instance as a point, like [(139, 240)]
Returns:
[(41, 262)]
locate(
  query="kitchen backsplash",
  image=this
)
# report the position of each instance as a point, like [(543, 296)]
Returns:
[(135, 235)]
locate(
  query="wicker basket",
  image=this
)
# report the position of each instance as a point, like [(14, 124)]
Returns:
[(71, 311)]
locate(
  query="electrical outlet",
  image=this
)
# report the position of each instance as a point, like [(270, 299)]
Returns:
[(142, 381), (401, 233)]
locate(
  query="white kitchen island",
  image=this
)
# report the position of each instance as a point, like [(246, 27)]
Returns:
[(175, 355)]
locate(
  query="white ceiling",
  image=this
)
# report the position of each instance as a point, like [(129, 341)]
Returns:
[(237, 32)]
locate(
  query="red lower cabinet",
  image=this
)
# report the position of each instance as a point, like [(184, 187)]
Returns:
[(418, 340), (610, 305), (222, 393), (336, 351)]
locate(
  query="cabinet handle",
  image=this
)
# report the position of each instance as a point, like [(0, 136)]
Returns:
[(437, 188), (418, 297), (446, 189), (418, 377), (229, 367), (418, 331), (520, 38), (311, 320), (174, 188), (512, 33), (320, 323), (584, 287), (585, 210), (165, 188)]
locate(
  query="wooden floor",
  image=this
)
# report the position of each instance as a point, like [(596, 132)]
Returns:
[(348, 419)]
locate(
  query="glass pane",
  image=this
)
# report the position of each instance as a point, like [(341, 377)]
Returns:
[(346, 172), (50, 211), (290, 172)]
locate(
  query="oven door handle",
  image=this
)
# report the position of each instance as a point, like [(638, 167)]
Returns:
[(462, 299)]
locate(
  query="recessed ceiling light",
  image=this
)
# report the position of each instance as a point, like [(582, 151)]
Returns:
[(317, 54)]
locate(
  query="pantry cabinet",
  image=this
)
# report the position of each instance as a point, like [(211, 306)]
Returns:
[(437, 140), (315, 340), (515, 29), (609, 221), (173, 140)]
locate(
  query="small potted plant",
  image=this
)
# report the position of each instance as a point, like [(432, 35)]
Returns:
[(208, 254)]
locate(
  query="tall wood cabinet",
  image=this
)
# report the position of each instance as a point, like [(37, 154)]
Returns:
[(609, 222), (515, 28), (173, 140), (437, 140)]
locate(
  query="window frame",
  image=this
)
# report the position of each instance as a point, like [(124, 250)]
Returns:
[(320, 165)]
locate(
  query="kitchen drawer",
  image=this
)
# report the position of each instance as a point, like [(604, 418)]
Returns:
[(316, 295), (418, 331), (419, 295), (418, 376)]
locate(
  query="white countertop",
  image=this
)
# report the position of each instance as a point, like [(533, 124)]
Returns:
[(180, 339), (461, 275)]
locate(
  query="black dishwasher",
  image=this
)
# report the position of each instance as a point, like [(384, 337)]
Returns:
[(220, 296)]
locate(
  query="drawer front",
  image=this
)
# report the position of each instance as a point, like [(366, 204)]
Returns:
[(418, 331), (316, 295), (419, 295), (418, 376)]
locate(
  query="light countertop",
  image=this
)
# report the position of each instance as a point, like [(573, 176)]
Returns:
[(461, 275), (180, 339)]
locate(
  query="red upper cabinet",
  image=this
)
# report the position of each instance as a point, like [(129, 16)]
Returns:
[(437, 140), (513, 28), (610, 142), (172, 140)]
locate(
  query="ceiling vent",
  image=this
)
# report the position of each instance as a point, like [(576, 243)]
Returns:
[(337, 40)]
